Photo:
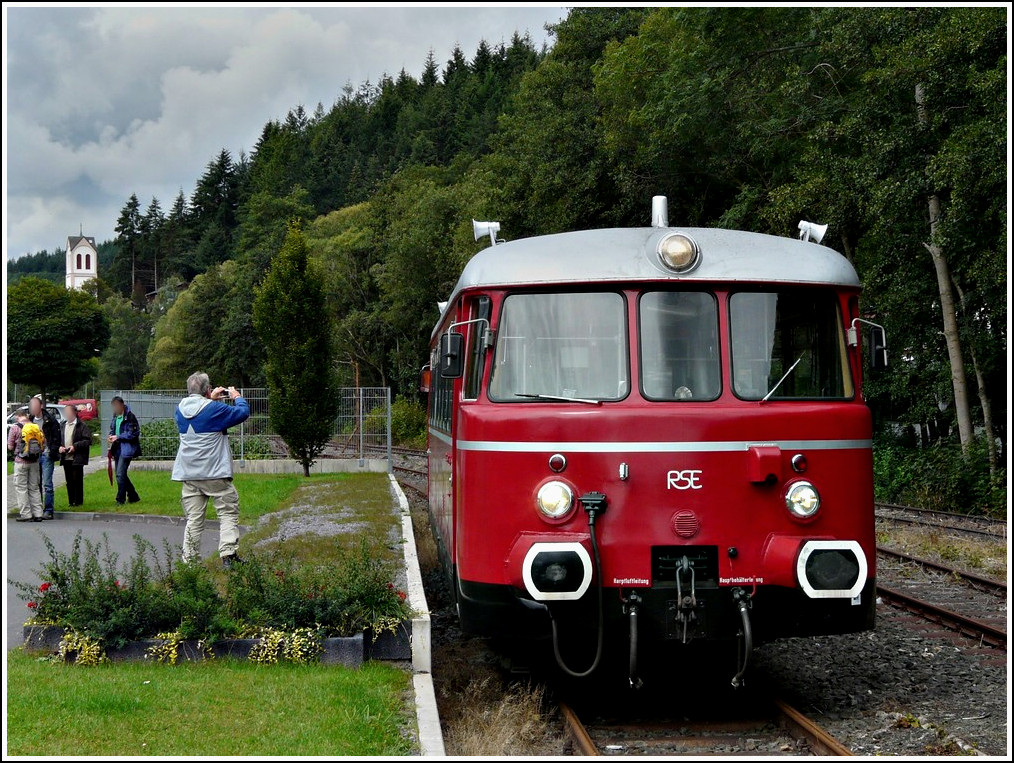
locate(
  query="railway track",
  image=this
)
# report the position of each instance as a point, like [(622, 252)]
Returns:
[(960, 601), (779, 730), (396, 450), (963, 524), (979, 583), (407, 470), (985, 633), (417, 490)]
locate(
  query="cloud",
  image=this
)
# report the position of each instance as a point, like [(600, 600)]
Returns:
[(106, 102)]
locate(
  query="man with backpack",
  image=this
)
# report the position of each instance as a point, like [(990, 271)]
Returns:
[(51, 431), (26, 441)]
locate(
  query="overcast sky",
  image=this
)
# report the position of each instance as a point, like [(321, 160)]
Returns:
[(104, 102)]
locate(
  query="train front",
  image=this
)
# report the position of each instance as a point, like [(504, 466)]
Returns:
[(658, 459)]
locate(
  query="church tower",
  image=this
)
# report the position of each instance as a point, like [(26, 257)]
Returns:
[(82, 261)]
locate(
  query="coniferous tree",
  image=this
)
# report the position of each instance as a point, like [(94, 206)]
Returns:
[(288, 315)]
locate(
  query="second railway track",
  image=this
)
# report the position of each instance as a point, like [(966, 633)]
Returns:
[(978, 582), (969, 525), (960, 601)]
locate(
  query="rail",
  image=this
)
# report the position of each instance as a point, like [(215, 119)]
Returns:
[(947, 618), (998, 587), (783, 716), (943, 520)]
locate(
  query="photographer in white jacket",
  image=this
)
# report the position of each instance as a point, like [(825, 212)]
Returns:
[(204, 464)]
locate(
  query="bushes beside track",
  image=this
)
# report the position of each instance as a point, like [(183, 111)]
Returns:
[(939, 477)]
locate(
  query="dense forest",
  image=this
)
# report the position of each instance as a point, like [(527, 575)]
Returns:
[(887, 124)]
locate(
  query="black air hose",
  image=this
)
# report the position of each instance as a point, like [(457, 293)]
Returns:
[(598, 575)]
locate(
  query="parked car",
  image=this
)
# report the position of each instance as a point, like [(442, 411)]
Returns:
[(55, 410), (87, 408)]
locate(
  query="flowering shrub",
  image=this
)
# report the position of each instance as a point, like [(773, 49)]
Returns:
[(105, 604), (88, 591), (340, 599)]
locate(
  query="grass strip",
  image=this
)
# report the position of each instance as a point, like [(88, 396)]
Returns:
[(221, 707)]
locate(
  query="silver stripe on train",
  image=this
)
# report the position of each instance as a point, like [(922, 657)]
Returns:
[(440, 436), (733, 446)]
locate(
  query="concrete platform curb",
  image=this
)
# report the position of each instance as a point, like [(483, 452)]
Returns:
[(431, 738), (146, 519)]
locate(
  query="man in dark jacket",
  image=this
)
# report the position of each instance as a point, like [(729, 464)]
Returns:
[(124, 446), (51, 454), (74, 445)]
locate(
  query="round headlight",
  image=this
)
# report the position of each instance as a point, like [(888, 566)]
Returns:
[(802, 499), (554, 499), (679, 252)]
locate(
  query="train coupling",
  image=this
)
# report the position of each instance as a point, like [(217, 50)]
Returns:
[(686, 598)]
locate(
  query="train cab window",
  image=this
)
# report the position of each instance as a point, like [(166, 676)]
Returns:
[(788, 345), (679, 346), (475, 352), (561, 346)]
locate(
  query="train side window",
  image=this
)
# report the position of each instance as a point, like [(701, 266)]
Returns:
[(679, 346), (475, 352)]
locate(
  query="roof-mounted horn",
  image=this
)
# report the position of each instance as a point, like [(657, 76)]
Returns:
[(659, 212)]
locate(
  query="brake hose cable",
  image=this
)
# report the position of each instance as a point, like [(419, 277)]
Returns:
[(595, 504)]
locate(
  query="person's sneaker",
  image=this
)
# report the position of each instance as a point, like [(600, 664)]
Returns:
[(48, 515), (24, 519), (135, 500), (36, 519), (231, 560)]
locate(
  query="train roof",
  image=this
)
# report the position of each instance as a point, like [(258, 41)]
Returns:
[(624, 255)]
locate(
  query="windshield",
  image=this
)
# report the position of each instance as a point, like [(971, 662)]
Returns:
[(679, 346), (788, 345), (560, 346)]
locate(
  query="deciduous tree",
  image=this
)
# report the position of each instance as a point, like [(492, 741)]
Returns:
[(54, 335)]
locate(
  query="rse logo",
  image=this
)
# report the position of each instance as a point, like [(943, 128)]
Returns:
[(689, 479)]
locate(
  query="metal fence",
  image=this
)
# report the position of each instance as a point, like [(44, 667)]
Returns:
[(362, 429)]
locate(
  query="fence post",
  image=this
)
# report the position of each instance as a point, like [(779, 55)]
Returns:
[(105, 418), (390, 464), (361, 423), (242, 438)]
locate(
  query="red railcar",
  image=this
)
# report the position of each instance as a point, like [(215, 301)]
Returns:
[(653, 436)]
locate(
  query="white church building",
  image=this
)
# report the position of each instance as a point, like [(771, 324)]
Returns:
[(82, 261)]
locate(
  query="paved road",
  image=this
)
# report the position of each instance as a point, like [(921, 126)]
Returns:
[(25, 551)]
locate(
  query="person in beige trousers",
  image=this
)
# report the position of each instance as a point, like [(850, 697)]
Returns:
[(27, 476), (204, 464)]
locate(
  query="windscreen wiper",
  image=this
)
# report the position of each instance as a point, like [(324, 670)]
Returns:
[(784, 377), (560, 398)]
